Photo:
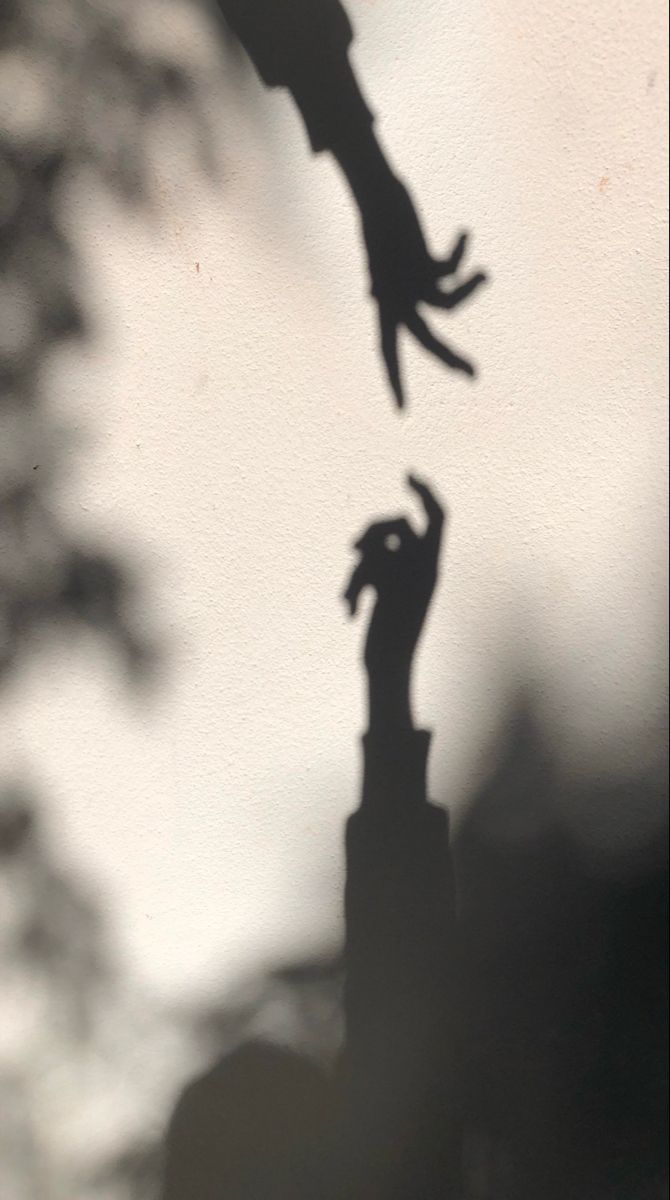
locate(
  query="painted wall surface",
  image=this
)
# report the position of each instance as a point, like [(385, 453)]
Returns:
[(234, 432)]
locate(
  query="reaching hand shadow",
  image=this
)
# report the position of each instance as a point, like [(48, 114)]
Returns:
[(303, 45)]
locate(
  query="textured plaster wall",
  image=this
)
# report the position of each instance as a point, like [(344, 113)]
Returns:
[(237, 432)]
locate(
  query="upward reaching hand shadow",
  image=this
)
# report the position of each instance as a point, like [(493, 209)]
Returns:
[(399, 903), (263, 1123), (303, 45)]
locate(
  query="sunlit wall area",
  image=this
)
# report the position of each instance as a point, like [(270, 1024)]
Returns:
[(195, 427)]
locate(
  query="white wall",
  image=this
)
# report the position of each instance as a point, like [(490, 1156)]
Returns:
[(238, 433)]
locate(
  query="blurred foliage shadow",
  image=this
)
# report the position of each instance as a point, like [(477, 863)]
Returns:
[(79, 87), (57, 978)]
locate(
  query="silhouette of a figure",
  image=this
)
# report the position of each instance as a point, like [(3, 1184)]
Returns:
[(264, 1123), (400, 937), (303, 45)]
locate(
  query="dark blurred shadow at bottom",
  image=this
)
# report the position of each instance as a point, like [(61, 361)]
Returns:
[(547, 1073)]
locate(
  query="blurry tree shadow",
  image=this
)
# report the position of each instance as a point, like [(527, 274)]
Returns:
[(56, 973), (53, 926), (565, 970), (78, 88)]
